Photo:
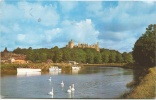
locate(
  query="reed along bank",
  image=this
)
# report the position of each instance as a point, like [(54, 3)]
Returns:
[(145, 89)]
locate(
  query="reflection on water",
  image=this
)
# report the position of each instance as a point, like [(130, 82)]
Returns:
[(90, 82), (71, 95), (54, 72), (75, 71), (28, 74)]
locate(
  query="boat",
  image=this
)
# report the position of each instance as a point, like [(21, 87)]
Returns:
[(24, 74), (25, 70), (54, 68), (75, 67)]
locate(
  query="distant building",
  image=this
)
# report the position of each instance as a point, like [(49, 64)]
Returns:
[(12, 60), (9, 57), (80, 45)]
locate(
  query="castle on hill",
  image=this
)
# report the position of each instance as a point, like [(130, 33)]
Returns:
[(80, 45)]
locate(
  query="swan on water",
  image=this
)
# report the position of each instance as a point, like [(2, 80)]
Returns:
[(51, 92), (49, 79), (72, 89), (69, 90), (62, 84)]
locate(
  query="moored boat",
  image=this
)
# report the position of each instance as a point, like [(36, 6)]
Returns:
[(75, 67), (19, 70), (54, 68), (24, 74)]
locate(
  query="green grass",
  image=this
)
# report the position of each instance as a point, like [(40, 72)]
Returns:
[(145, 89)]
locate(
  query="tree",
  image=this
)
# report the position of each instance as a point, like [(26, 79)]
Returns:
[(43, 57), (17, 51), (78, 55), (57, 55), (127, 57), (97, 58), (112, 57), (144, 48), (66, 54), (105, 55), (89, 56), (119, 58)]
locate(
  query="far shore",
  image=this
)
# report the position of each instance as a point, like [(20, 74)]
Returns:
[(12, 68), (107, 64)]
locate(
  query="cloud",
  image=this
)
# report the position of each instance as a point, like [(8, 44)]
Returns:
[(26, 12), (50, 35), (16, 27), (20, 37), (82, 31), (94, 8), (67, 6), (123, 24), (133, 16), (115, 36), (149, 1)]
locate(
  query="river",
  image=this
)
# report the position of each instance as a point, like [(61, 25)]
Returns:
[(89, 82)]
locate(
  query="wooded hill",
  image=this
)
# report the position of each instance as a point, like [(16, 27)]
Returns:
[(80, 55)]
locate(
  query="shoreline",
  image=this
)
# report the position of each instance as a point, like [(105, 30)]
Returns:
[(145, 89), (46, 66)]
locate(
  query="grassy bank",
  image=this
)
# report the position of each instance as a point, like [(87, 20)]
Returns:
[(145, 89)]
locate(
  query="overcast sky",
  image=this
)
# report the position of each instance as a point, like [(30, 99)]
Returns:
[(45, 24)]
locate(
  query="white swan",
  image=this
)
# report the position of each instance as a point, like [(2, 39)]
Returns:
[(49, 79), (51, 92), (69, 90), (72, 89), (62, 84)]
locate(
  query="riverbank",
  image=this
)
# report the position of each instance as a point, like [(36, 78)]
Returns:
[(122, 65), (12, 68), (107, 64), (145, 89)]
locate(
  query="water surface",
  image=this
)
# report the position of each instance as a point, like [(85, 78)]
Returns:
[(90, 82)]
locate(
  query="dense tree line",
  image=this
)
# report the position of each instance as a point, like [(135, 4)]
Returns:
[(80, 55), (144, 52)]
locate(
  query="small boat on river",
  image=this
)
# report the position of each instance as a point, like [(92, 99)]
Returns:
[(54, 68), (75, 67), (19, 70)]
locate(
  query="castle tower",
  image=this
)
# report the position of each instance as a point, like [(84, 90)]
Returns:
[(97, 47), (71, 44)]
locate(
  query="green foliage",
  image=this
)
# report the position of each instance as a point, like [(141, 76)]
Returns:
[(97, 58), (127, 57), (105, 55), (119, 58), (112, 56), (89, 56), (144, 48), (80, 55)]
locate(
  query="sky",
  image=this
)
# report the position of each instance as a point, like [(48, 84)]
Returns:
[(44, 24)]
